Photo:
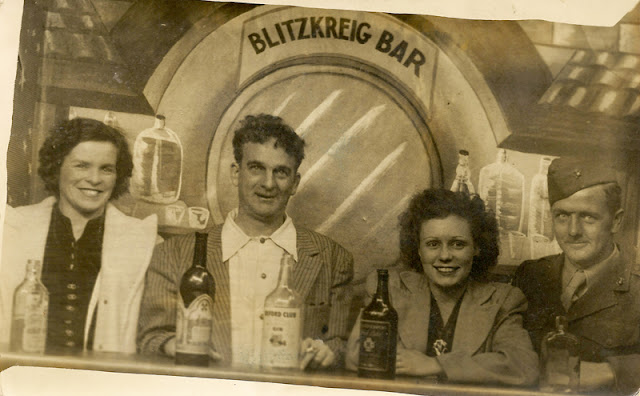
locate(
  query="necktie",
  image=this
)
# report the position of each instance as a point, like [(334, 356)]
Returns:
[(574, 289)]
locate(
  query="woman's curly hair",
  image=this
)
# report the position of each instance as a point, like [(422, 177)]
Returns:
[(67, 135), (438, 204)]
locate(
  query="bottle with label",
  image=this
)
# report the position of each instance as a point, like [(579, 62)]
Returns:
[(560, 360), (195, 309), (30, 310), (282, 328), (462, 182), (378, 334), (157, 170)]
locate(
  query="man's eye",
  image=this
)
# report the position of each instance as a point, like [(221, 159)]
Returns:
[(589, 218), (281, 173), (562, 216)]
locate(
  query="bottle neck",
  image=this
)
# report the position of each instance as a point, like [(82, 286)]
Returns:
[(159, 123), (285, 272), (200, 250), (382, 293)]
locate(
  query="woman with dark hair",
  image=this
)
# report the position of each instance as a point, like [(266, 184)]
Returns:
[(93, 256), (453, 323)]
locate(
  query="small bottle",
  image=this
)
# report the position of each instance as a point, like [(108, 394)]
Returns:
[(560, 360), (195, 309), (282, 329), (30, 310), (462, 182), (378, 334)]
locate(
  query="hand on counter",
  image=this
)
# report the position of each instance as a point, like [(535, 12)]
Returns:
[(315, 354), (412, 362), (170, 349), (595, 376)]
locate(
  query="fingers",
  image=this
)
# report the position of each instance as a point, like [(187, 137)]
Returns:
[(169, 347), (214, 355), (316, 354)]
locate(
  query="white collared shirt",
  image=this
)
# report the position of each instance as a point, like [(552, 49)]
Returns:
[(254, 265)]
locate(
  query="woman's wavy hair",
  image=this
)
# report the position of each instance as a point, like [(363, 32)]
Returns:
[(438, 204), (67, 135)]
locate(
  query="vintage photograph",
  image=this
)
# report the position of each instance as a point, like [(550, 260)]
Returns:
[(335, 198)]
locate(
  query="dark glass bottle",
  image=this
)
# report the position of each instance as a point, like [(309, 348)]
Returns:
[(560, 360), (378, 334), (195, 309)]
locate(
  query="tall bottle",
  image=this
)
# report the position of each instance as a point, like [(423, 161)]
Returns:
[(462, 182), (195, 309), (282, 329), (378, 334), (30, 310), (560, 360)]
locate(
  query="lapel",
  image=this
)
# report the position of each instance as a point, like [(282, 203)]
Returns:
[(221, 333), (476, 317), (602, 294), (414, 308), (309, 262), (551, 284)]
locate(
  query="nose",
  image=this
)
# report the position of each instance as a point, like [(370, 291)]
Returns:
[(93, 176), (445, 254), (268, 181), (575, 228)]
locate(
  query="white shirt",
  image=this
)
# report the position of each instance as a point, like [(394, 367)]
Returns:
[(254, 265)]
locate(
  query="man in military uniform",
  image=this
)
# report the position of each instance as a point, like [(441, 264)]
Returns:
[(591, 283)]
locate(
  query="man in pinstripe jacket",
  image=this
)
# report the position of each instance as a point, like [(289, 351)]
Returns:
[(243, 255)]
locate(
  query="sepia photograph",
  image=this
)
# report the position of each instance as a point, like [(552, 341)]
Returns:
[(335, 198)]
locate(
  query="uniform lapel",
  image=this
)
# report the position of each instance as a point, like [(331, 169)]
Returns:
[(602, 294), (221, 337), (309, 263), (414, 311), (476, 317)]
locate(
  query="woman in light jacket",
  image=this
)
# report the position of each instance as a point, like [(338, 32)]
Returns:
[(452, 322), (93, 256)]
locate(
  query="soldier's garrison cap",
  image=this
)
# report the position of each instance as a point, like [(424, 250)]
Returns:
[(568, 175)]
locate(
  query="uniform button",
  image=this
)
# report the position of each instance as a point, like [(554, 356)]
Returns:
[(104, 301), (68, 333), (263, 276), (70, 308), (71, 297), (68, 321), (72, 286), (71, 266), (70, 344), (620, 281), (262, 240)]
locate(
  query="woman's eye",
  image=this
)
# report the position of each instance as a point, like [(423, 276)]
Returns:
[(459, 244), (432, 244)]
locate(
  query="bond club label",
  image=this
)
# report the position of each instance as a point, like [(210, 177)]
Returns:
[(281, 338)]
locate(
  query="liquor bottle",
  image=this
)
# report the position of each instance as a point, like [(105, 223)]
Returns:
[(378, 334), (462, 182), (282, 328), (560, 360), (30, 310), (540, 221), (195, 309), (501, 187), (157, 158)]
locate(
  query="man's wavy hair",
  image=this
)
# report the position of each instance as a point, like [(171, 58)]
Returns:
[(67, 135), (438, 204), (263, 127)]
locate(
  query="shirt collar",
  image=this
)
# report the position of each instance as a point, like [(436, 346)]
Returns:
[(234, 238), (594, 273)]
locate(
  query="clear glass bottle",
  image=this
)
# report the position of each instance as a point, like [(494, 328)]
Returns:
[(462, 182), (378, 334), (282, 328), (157, 158), (195, 309), (501, 187), (560, 360), (539, 210), (30, 311)]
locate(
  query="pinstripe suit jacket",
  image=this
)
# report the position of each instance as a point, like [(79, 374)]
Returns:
[(321, 276)]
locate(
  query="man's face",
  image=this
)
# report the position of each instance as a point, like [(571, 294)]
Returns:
[(266, 178), (584, 226), (87, 178)]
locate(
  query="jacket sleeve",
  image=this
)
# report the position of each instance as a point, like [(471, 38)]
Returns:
[(507, 356), (340, 303), (157, 320)]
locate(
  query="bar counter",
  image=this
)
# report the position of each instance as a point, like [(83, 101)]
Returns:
[(112, 362)]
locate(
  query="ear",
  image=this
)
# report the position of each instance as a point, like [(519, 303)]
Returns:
[(296, 183), (617, 221), (235, 173)]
